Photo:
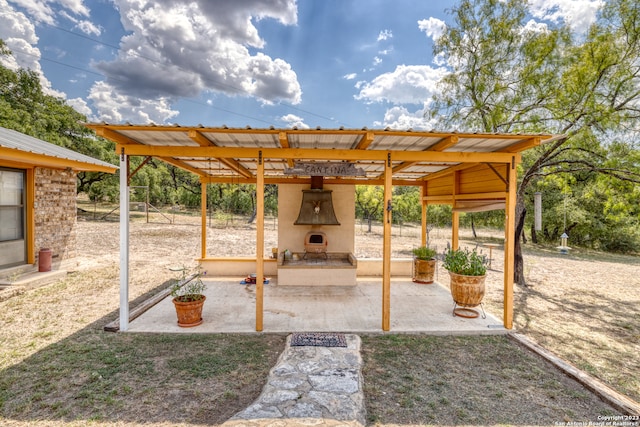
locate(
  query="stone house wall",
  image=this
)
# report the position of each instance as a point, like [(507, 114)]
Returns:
[(55, 213)]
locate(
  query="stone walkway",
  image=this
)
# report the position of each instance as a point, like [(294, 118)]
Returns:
[(315, 386)]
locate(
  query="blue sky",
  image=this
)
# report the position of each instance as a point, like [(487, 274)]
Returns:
[(260, 63)]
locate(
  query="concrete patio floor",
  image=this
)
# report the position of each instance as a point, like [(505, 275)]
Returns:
[(230, 308)]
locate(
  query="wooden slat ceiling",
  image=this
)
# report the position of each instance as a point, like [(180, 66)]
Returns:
[(349, 140)]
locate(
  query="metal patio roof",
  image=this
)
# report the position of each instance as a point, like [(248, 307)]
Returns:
[(19, 147), (227, 153)]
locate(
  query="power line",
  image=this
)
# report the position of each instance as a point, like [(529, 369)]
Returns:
[(189, 100), (212, 80)]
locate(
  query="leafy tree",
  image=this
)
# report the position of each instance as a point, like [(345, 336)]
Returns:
[(507, 78), (406, 205), (24, 107), (369, 203)]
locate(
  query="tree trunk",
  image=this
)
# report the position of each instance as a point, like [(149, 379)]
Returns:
[(473, 228), (534, 236), (369, 223), (518, 260)]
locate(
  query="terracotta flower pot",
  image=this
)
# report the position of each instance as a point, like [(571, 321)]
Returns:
[(423, 270), (467, 291), (189, 312)]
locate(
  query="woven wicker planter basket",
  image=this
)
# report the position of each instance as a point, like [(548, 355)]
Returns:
[(467, 291), (189, 313), (423, 270)]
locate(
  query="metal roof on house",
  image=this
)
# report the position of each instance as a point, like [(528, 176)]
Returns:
[(18, 147), (220, 152)]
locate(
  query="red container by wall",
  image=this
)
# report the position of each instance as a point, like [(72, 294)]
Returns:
[(44, 259)]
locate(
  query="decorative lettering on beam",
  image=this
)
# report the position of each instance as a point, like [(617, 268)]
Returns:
[(324, 169)]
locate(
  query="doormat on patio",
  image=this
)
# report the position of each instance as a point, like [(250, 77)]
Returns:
[(318, 339)]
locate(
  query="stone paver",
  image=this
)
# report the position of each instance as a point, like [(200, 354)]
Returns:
[(310, 386)]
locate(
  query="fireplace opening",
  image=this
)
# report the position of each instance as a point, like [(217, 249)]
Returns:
[(316, 238), (315, 242)]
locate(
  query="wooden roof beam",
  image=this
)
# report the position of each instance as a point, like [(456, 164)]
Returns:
[(284, 143), (182, 165), (200, 139), (365, 141), (448, 171), (445, 143), (494, 195), (237, 167), (524, 145), (441, 145), (232, 164), (115, 136), (303, 180), (317, 154), (144, 162)]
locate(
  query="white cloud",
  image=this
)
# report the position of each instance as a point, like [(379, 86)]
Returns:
[(45, 10), (80, 105), (433, 27), (16, 25), (377, 60), (113, 107), (385, 35), (38, 10), (75, 6), (19, 34), (350, 76), (579, 14), (402, 119), (535, 27), (294, 121), (176, 49), (407, 84), (89, 27)]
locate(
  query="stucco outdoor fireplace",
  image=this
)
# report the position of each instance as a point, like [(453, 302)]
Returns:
[(319, 245)]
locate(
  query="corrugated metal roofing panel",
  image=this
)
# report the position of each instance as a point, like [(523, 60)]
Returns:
[(10, 138), (405, 142), (338, 140), (160, 137), (244, 140)]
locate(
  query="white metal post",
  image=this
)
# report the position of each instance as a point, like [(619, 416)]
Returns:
[(124, 243)]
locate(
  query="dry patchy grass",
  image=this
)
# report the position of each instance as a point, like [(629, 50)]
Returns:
[(427, 380), (59, 368)]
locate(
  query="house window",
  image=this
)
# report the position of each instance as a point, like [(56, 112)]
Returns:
[(12, 205)]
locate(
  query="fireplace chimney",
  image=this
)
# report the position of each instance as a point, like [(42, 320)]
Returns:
[(317, 205)]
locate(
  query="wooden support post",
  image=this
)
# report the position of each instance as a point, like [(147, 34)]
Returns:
[(455, 228), (455, 216), (203, 218), (260, 243), (509, 245), (423, 194), (386, 251)]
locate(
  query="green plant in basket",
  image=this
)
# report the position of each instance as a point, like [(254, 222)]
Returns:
[(188, 286), (424, 253), (465, 262)]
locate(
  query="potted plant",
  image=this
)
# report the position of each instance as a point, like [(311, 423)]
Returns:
[(467, 270), (188, 297), (424, 264)]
